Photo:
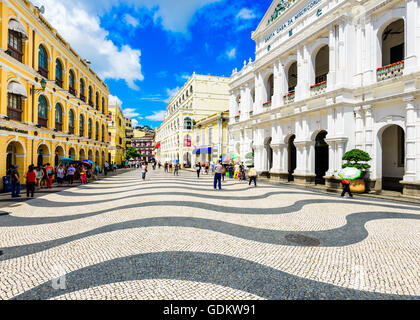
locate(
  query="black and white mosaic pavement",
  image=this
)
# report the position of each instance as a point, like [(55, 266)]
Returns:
[(176, 238)]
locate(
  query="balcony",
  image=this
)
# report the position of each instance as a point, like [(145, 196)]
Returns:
[(82, 97), (59, 126), (43, 122), (73, 91), (267, 104), (59, 82), (390, 71), (15, 53), (14, 114), (237, 118), (71, 130), (289, 98), (319, 88), (43, 72), (251, 113)]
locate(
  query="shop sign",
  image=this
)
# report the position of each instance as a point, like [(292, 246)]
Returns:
[(14, 130)]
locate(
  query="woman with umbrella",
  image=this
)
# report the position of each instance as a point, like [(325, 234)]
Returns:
[(346, 175)]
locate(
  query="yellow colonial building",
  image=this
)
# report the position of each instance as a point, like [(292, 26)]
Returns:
[(116, 135), (210, 137), (52, 105)]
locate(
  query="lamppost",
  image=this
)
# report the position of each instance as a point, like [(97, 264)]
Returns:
[(43, 83)]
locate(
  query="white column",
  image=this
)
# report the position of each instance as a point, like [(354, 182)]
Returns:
[(258, 158), (370, 54), (276, 158), (359, 128), (369, 137), (278, 84), (332, 161), (302, 87), (259, 91), (412, 38), (331, 77), (411, 119), (232, 107)]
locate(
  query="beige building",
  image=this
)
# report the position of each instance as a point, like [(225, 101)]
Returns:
[(129, 134), (116, 135), (200, 97), (210, 137)]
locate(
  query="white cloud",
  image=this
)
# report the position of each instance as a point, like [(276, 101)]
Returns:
[(182, 77), (157, 116), (134, 123), (231, 53), (246, 14), (81, 28), (130, 113), (114, 100), (131, 21), (172, 93)]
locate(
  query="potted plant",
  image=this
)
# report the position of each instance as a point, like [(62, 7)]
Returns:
[(358, 159)]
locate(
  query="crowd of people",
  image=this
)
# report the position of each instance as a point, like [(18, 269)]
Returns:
[(38, 177)]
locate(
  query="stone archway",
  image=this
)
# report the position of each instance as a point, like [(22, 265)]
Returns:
[(43, 155), (291, 157), (72, 153), (59, 154), (15, 155), (321, 157), (393, 157), (82, 155)]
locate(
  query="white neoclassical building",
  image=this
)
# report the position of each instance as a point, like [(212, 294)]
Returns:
[(330, 76)]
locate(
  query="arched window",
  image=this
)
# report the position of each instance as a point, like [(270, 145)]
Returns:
[(82, 90), (58, 117), (90, 128), (43, 62), (15, 43), (187, 124), (81, 126), (59, 73), (103, 133), (42, 111), (71, 122), (103, 105), (97, 131), (97, 101), (90, 96), (270, 87), (72, 89)]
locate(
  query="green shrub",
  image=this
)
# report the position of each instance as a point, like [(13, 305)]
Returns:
[(357, 159)]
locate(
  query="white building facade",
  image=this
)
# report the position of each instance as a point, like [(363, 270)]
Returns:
[(201, 96), (328, 77)]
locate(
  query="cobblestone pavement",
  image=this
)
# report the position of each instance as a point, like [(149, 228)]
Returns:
[(176, 238)]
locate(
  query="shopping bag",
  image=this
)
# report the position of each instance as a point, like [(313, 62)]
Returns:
[(227, 174)]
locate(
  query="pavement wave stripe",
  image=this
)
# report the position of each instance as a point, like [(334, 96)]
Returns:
[(244, 275), (13, 221), (158, 289), (42, 202), (352, 232)]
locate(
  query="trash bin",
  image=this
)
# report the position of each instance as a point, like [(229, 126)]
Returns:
[(7, 186)]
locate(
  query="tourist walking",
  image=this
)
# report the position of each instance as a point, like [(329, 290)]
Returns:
[(346, 188), (15, 180), (50, 175), (39, 174), (198, 169), (242, 172), (60, 174), (237, 170), (219, 169), (176, 169), (106, 167), (83, 173), (143, 171), (252, 176), (30, 181), (70, 174)]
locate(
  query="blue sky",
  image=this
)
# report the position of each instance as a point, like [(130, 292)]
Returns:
[(146, 49)]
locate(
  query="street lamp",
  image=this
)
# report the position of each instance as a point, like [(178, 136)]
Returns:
[(43, 83)]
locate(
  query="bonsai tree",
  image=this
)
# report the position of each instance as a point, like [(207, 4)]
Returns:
[(358, 159)]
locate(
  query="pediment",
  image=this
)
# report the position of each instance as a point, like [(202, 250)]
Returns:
[(274, 12)]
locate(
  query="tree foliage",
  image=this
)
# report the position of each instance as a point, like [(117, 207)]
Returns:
[(357, 158), (132, 153)]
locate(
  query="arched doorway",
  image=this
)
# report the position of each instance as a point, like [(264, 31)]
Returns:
[(322, 64), (393, 43), (90, 155), (393, 158), (43, 155), (97, 158), (59, 154), (269, 152), (321, 157), (72, 153), (15, 155), (187, 160), (82, 155), (291, 153)]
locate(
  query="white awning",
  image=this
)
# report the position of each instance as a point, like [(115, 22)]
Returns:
[(18, 27), (17, 88)]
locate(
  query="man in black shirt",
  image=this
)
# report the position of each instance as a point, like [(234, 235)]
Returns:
[(15, 182)]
